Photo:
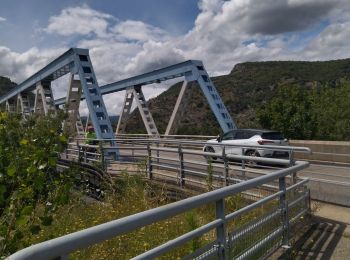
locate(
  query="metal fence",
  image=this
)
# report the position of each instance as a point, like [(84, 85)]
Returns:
[(183, 161), (280, 200), (328, 183)]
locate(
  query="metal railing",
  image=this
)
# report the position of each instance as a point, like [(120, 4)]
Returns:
[(266, 233), (276, 189), (183, 162)]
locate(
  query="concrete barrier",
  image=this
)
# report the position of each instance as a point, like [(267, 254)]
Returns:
[(324, 151)]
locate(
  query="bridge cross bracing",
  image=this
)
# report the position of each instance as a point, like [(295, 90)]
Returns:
[(83, 85)]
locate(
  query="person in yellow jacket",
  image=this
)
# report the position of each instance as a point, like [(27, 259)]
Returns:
[(90, 136)]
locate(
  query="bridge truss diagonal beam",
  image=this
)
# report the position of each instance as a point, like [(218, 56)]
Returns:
[(76, 61), (192, 70)]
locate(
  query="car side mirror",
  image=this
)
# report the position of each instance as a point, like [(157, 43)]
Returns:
[(219, 138)]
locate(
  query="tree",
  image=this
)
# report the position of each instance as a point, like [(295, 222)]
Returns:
[(291, 112), (31, 188), (320, 113)]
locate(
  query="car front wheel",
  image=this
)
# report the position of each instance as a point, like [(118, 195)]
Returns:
[(210, 149)]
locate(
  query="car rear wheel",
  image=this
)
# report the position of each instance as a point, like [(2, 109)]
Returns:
[(252, 153), (210, 149)]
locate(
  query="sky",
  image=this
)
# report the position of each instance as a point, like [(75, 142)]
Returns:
[(126, 38)]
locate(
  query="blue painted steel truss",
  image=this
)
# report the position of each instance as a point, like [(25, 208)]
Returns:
[(75, 61), (192, 70)]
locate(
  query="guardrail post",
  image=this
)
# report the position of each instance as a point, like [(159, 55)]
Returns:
[(85, 156), (284, 212), (224, 158), (291, 157), (79, 152), (182, 167), (221, 229), (149, 161), (102, 155), (291, 163), (157, 151), (243, 165)]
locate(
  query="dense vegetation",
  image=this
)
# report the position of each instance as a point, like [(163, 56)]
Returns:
[(320, 113), (31, 189), (247, 91), (134, 194), (5, 85), (38, 202)]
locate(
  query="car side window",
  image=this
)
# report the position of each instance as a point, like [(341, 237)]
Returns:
[(228, 136), (240, 135), (249, 134)]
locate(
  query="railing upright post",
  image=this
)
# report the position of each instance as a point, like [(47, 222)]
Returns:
[(85, 156), (149, 161), (224, 158), (291, 163), (158, 152), (243, 165), (102, 155), (79, 152), (221, 229), (284, 212), (291, 157), (182, 167)]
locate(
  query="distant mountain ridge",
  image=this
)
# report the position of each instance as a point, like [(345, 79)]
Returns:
[(247, 87)]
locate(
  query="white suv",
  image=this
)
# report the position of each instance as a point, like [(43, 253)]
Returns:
[(244, 137)]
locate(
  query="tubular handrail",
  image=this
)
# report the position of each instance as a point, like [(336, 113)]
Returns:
[(64, 245), (176, 141)]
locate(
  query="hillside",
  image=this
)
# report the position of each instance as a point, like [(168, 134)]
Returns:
[(248, 87), (5, 85)]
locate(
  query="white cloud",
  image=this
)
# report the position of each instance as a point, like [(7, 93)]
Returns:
[(139, 31), (19, 66), (224, 33), (79, 20), (2, 19)]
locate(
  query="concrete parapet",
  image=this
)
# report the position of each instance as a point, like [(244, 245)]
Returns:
[(325, 151)]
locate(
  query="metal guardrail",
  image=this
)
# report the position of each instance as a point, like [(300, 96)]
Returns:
[(292, 203), (171, 159)]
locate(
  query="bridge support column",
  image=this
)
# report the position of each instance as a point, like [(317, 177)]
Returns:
[(23, 104), (73, 123), (135, 92), (178, 111), (11, 105), (44, 102)]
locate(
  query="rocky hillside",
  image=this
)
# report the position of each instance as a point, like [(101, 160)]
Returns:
[(248, 87)]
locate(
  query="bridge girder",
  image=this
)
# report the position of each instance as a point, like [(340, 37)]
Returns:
[(191, 70), (77, 62)]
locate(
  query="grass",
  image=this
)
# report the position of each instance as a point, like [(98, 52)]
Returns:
[(133, 194)]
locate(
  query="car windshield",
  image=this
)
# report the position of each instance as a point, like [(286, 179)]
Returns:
[(273, 136)]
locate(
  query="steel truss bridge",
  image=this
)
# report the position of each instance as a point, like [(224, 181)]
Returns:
[(177, 160), (83, 85)]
